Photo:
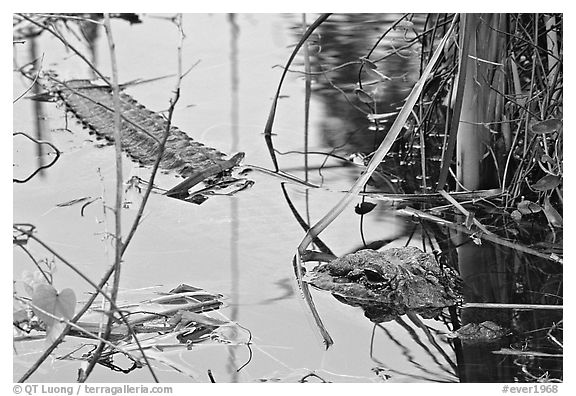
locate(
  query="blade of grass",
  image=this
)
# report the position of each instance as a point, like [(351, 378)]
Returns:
[(363, 179)]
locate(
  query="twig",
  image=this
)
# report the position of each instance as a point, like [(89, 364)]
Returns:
[(488, 237), (68, 45), (463, 210), (118, 205), (554, 339)]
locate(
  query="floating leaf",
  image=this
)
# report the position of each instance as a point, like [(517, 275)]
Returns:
[(548, 182), (528, 207), (363, 96), (59, 305), (554, 218), (364, 207), (548, 126)]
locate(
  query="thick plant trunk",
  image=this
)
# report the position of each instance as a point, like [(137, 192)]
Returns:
[(480, 102)]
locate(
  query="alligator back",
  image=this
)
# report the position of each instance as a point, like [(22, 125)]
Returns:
[(141, 131)]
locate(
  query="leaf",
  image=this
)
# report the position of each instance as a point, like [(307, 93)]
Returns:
[(528, 207), (516, 215), (363, 96), (548, 126), (59, 305), (554, 218), (73, 202), (364, 207), (548, 182)]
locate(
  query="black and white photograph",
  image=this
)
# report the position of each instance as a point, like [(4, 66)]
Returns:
[(246, 197)]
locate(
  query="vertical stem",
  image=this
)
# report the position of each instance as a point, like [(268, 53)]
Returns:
[(307, 94), (118, 152), (118, 250)]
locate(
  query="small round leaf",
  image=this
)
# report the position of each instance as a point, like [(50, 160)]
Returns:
[(548, 126)]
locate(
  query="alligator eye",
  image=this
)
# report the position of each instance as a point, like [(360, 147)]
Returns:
[(373, 275)]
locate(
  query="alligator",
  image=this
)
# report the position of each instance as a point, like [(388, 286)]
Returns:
[(141, 133), (389, 283)]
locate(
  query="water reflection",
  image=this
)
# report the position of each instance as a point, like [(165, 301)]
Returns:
[(341, 44), (39, 124), (502, 275), (232, 365), (368, 63)]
